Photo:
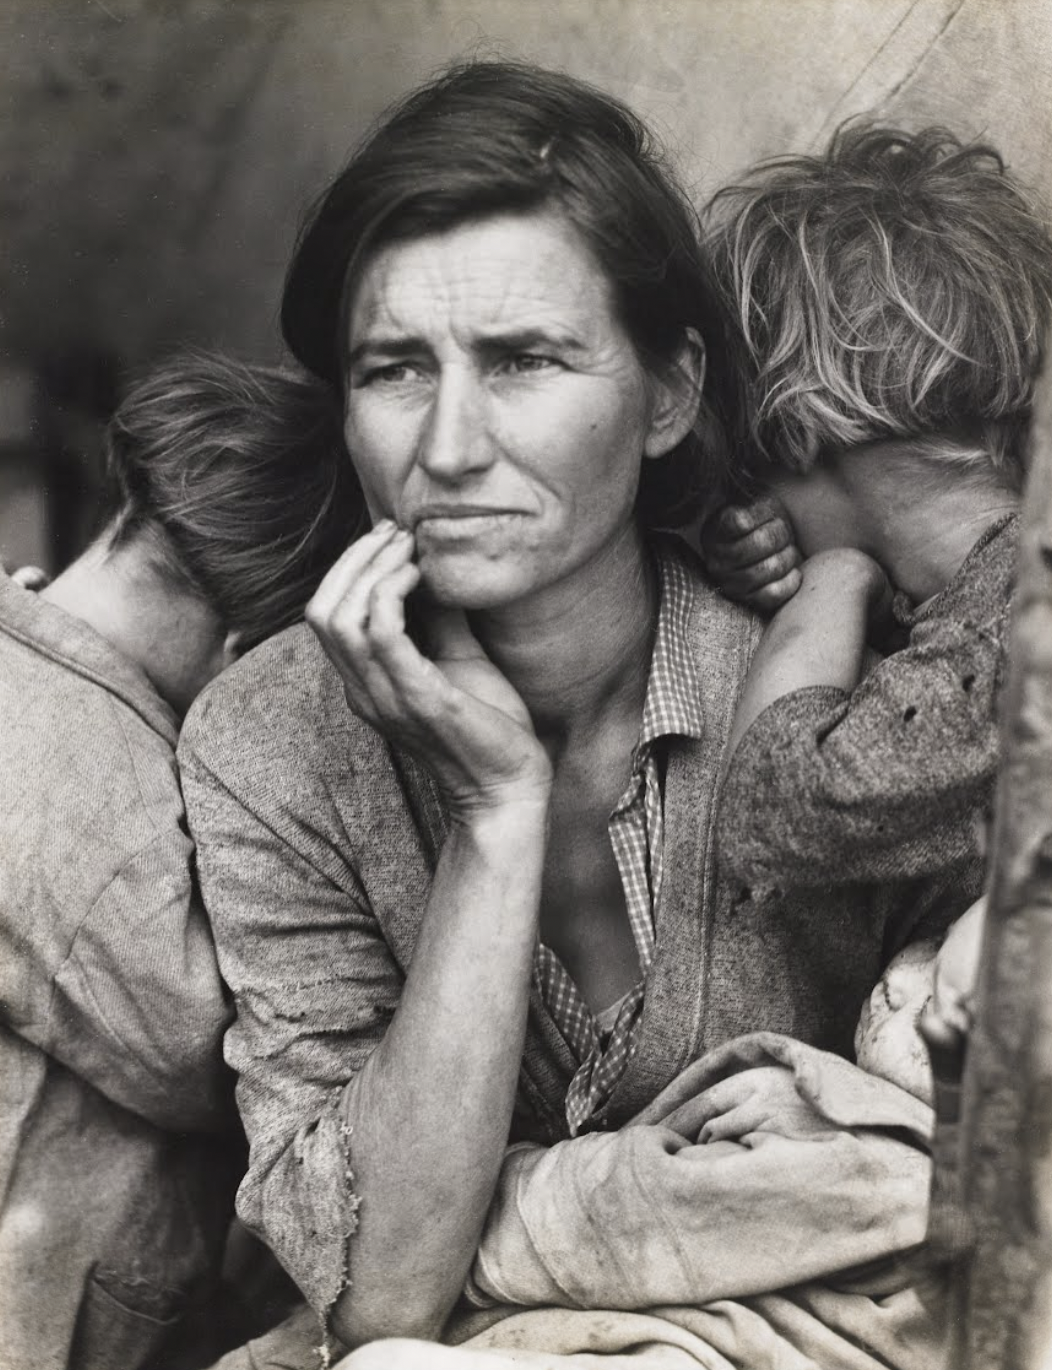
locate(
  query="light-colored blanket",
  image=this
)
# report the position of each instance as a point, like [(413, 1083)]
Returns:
[(763, 1213), (765, 1164)]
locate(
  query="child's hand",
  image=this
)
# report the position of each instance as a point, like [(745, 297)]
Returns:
[(750, 552), (948, 1020), (957, 968), (30, 578), (761, 1099)]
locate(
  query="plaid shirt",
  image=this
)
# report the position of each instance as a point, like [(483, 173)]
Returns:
[(636, 826)]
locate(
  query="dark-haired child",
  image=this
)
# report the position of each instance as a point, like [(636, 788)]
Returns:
[(231, 494)]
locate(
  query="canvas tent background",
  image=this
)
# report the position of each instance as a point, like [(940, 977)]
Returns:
[(156, 155)]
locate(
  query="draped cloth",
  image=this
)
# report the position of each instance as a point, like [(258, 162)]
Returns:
[(763, 1213)]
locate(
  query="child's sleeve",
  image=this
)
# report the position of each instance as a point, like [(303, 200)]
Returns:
[(890, 782)]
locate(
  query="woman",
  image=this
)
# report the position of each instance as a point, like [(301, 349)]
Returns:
[(121, 1149), (479, 903)]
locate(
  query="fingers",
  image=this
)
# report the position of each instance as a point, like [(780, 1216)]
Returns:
[(729, 553), (745, 581), (358, 614), (770, 598), (343, 604), (736, 520), (730, 1125), (449, 638), (347, 571), (384, 624), (31, 578), (751, 553), (456, 712)]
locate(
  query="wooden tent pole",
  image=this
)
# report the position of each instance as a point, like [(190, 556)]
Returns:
[(1004, 1287)]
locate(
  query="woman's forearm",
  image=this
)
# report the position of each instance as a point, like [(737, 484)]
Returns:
[(430, 1111)]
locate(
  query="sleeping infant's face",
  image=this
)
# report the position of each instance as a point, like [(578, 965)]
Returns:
[(887, 1042)]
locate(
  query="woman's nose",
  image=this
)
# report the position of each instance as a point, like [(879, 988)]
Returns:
[(456, 440)]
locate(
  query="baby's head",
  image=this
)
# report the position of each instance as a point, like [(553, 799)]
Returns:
[(896, 288), (931, 981), (887, 1041)]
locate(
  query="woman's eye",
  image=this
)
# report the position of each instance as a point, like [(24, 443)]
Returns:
[(527, 363), (395, 373)]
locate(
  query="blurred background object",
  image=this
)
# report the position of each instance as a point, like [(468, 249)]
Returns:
[(156, 156)]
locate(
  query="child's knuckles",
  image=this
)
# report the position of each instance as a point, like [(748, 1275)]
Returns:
[(734, 520), (767, 571), (778, 592), (767, 539)]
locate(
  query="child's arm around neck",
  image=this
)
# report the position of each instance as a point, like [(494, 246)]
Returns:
[(819, 637), (843, 771)]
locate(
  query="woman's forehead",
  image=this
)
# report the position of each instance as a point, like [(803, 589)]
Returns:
[(517, 271)]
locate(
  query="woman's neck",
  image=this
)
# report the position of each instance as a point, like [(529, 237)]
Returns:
[(579, 654)]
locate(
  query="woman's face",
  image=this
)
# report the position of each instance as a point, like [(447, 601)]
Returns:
[(496, 407)]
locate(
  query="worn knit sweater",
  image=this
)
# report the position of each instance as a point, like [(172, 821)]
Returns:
[(316, 847), (892, 782)]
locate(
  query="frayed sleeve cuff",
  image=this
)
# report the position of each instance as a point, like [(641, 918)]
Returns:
[(306, 1207)]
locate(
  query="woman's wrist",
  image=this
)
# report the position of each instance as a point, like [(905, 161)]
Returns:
[(513, 812)]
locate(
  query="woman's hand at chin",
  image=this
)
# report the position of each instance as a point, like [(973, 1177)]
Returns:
[(453, 710)]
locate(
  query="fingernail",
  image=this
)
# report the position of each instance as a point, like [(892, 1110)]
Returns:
[(384, 526)]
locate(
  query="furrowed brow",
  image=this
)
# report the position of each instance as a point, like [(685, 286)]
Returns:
[(393, 348), (529, 340)]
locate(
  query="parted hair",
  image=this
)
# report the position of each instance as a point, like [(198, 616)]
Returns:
[(238, 478), (487, 138), (897, 286)]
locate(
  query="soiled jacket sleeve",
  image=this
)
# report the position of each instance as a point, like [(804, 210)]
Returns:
[(314, 987), (133, 1002), (657, 1214), (893, 781)]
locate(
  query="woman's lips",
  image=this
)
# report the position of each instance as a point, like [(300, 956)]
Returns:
[(462, 521)]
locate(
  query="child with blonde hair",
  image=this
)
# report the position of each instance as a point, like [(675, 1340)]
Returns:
[(894, 294)]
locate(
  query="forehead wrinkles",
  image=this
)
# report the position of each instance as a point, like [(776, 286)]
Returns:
[(481, 280)]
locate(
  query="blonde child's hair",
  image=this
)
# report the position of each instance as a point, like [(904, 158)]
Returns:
[(897, 286)]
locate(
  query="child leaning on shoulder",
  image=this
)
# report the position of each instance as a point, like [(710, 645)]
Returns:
[(894, 295)]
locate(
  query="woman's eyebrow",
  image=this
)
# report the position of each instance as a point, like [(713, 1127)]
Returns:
[(526, 339), (504, 341), (386, 347)]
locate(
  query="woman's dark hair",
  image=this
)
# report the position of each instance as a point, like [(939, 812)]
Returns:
[(495, 137), (238, 478), (895, 286)]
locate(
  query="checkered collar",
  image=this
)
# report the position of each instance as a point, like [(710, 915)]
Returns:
[(673, 698)]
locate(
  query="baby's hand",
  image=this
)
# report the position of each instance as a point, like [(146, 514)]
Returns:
[(957, 967), (946, 1024), (751, 553)]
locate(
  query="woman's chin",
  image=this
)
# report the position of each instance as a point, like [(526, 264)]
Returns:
[(470, 584), (453, 593)]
